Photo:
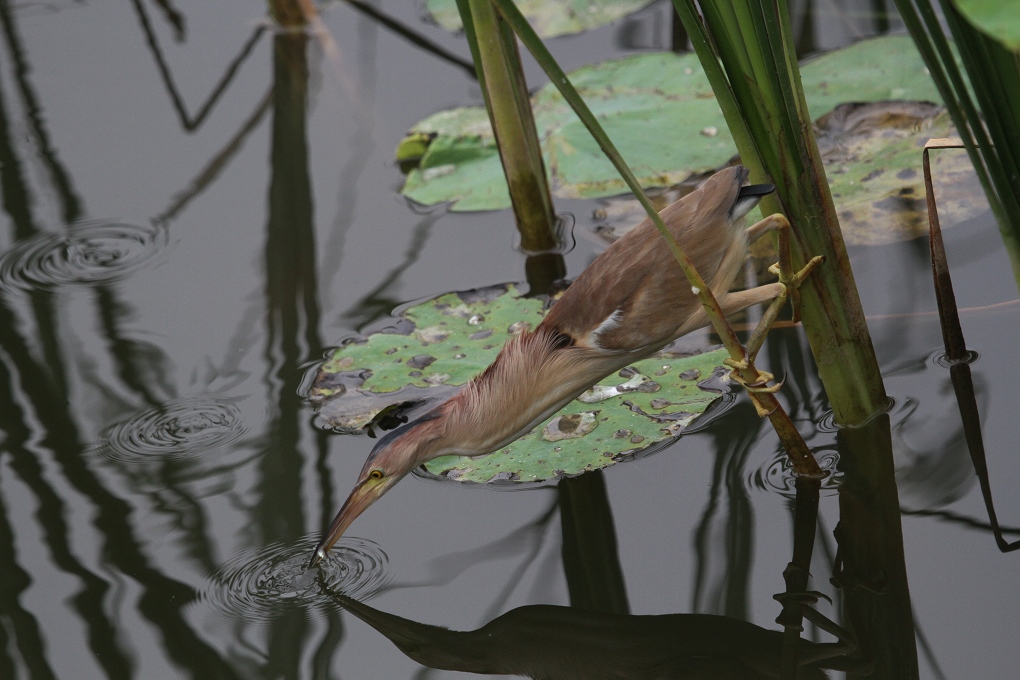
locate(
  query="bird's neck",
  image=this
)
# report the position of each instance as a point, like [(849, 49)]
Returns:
[(532, 378)]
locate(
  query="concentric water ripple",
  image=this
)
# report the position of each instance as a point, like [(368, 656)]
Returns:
[(88, 253), (777, 476), (939, 358), (181, 428), (262, 583)]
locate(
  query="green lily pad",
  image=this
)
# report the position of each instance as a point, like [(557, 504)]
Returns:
[(549, 18), (620, 93), (871, 152), (660, 111), (872, 157), (995, 17), (436, 345), (633, 415)]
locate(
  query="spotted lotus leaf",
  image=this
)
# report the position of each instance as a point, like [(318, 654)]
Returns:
[(428, 349)]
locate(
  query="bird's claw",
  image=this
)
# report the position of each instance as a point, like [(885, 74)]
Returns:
[(759, 386), (792, 280)]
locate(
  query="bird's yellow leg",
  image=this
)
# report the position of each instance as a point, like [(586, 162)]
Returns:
[(790, 279)]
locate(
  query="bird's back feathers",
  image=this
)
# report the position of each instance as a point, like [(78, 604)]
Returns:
[(634, 298)]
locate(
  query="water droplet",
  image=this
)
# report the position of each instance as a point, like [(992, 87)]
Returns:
[(571, 426), (602, 392), (438, 171), (695, 290), (476, 319), (421, 361)]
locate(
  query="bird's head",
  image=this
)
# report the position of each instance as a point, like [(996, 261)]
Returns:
[(393, 456)]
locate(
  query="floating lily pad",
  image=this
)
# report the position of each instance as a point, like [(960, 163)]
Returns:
[(871, 152), (436, 345), (549, 18), (462, 164), (660, 111), (589, 436), (995, 17), (872, 157)]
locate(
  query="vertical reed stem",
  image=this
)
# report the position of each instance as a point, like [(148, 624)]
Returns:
[(506, 97)]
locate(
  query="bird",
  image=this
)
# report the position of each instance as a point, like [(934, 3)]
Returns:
[(632, 300)]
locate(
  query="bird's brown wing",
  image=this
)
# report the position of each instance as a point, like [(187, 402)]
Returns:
[(634, 296)]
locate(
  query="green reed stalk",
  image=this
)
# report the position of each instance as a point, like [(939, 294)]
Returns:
[(747, 50), (988, 122), (501, 76)]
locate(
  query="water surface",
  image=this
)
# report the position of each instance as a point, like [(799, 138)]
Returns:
[(177, 252)]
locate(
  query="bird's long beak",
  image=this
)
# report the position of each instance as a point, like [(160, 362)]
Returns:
[(363, 495)]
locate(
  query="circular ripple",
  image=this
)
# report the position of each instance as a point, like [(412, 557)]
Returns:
[(827, 423), (88, 253), (777, 476), (262, 583), (181, 428), (942, 360)]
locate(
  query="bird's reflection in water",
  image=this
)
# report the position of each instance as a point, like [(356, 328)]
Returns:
[(553, 642)]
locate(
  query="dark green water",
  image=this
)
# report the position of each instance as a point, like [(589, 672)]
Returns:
[(177, 254)]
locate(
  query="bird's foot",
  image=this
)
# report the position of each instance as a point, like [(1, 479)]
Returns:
[(760, 385), (792, 280)]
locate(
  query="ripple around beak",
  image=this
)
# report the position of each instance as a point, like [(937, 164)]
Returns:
[(262, 583)]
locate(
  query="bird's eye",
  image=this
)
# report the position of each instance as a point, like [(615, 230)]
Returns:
[(375, 474)]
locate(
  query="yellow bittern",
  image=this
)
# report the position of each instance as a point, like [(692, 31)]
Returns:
[(631, 301)]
